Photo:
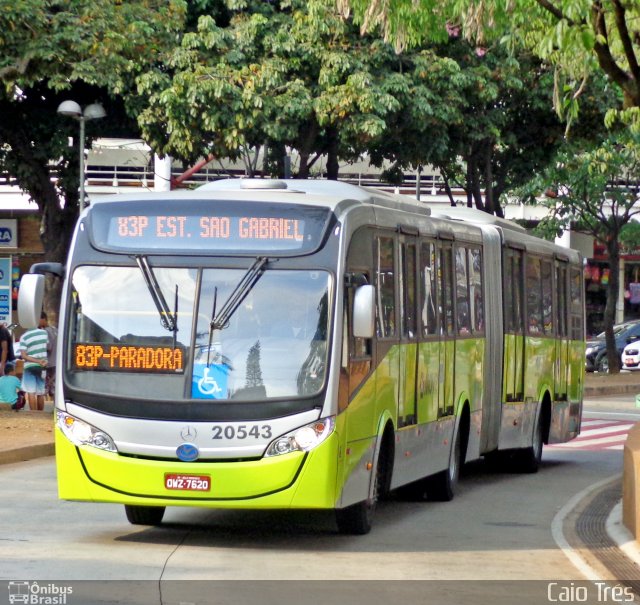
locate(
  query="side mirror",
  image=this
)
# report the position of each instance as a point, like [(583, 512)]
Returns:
[(30, 299), (364, 312)]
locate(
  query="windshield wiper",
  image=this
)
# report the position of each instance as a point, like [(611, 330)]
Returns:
[(219, 321), (168, 318)]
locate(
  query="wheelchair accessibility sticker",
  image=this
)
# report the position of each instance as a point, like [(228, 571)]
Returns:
[(210, 381)]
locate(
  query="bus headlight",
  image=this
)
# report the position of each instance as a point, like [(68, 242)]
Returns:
[(303, 439), (82, 433)]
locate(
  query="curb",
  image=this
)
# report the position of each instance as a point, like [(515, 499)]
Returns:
[(621, 535), (29, 452), (600, 391)]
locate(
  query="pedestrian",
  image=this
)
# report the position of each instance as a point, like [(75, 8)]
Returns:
[(10, 386), (6, 348), (33, 350), (52, 334)]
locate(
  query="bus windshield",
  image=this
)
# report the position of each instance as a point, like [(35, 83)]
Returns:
[(274, 344)]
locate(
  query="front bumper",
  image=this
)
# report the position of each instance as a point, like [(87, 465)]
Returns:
[(296, 480)]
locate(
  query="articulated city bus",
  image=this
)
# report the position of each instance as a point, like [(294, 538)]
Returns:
[(304, 345)]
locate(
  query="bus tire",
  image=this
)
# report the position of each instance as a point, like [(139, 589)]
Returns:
[(357, 519), (144, 515), (441, 487), (528, 460)]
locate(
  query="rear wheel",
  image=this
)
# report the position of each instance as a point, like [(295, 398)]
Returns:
[(144, 515), (528, 460), (442, 487)]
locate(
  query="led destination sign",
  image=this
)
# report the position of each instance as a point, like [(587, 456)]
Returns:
[(127, 358), (208, 226)]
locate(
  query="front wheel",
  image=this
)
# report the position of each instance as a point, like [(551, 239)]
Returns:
[(357, 519), (144, 515)]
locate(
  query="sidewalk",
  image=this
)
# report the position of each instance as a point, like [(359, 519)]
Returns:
[(598, 385)]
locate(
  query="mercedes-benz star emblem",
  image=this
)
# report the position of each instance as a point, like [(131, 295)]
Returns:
[(188, 433)]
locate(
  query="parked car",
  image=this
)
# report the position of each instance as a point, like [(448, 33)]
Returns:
[(596, 353), (631, 356)]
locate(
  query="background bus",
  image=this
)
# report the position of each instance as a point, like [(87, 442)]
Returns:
[(304, 344)]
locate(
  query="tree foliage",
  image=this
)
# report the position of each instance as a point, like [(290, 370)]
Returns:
[(295, 74), (594, 191), (288, 73), (87, 51), (578, 37)]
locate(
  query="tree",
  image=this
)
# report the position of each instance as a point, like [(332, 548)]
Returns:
[(594, 191), (254, 371), (579, 38), (485, 121), (286, 73), (52, 51)]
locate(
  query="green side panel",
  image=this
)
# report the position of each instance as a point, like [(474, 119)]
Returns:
[(408, 368), (575, 377), (513, 368), (376, 397), (540, 354), (387, 377), (509, 367), (468, 372), (447, 373), (561, 368), (359, 417), (428, 381)]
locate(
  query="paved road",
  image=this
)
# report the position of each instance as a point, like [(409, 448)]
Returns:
[(498, 529)]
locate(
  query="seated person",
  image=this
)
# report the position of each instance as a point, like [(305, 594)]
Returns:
[(10, 386)]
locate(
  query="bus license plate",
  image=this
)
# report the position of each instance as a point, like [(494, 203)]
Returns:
[(189, 483)]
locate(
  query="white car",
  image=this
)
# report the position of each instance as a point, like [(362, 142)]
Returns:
[(631, 356)]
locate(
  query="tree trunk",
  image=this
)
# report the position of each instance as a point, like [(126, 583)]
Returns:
[(303, 170), (306, 143), (613, 250), (447, 188), (491, 194), (470, 170), (333, 167), (56, 226)]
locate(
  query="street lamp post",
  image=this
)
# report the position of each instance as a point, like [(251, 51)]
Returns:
[(94, 111)]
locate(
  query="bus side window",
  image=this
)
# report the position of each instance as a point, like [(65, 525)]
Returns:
[(513, 293), (385, 288), (445, 271), (476, 295), (409, 262), (429, 289), (561, 290), (463, 315), (577, 321), (546, 275), (534, 296)]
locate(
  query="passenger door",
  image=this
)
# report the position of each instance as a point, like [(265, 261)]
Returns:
[(514, 325), (562, 330), (445, 270), (407, 412)]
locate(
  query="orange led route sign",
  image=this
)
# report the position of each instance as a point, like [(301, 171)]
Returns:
[(128, 358)]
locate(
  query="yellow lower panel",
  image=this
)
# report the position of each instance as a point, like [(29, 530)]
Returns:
[(290, 481)]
